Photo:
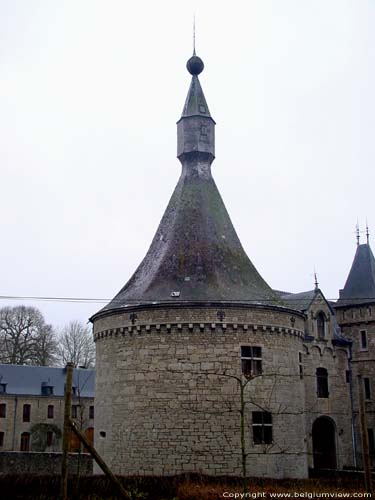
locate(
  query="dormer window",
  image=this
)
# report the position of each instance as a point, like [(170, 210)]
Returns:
[(321, 326), (47, 390), (3, 388)]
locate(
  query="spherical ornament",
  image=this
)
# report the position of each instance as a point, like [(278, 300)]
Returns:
[(195, 65)]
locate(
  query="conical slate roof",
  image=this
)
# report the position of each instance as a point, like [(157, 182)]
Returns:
[(360, 284), (196, 255)]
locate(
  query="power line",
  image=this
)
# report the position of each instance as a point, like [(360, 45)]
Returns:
[(93, 300)]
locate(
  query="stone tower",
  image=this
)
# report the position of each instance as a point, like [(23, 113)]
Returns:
[(355, 311), (195, 318)]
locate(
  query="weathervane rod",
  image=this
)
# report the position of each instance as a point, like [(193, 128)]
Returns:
[(367, 232), (194, 35), (357, 232)]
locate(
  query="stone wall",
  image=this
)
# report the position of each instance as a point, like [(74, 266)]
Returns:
[(167, 402), (43, 463)]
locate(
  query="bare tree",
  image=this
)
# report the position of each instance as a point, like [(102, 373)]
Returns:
[(25, 337), (76, 345)]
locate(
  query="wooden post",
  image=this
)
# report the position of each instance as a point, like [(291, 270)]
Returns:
[(98, 459), (364, 435), (66, 429)]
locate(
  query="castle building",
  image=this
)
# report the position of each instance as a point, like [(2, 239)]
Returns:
[(196, 326), (355, 312), (32, 407)]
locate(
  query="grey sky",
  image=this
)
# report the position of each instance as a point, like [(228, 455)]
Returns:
[(89, 95)]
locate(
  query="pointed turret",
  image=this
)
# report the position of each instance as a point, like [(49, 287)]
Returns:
[(196, 255), (195, 128), (360, 284)]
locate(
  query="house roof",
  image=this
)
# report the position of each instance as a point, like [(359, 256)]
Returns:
[(28, 380), (360, 284), (300, 301)]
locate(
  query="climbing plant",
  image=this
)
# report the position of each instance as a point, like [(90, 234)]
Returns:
[(39, 434)]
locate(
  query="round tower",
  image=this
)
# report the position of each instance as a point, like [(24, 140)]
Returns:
[(193, 328)]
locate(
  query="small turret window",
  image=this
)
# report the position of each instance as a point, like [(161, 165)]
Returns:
[(320, 323), (364, 340), (322, 382)]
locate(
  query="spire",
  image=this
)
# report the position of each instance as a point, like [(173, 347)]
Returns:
[(195, 128), (357, 233), (316, 281), (196, 255), (360, 284)]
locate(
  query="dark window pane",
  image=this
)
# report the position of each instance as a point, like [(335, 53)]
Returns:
[(257, 352), (1, 438), (246, 351), (3, 410), (246, 367), (257, 417), (267, 417), (50, 411), (371, 441), (366, 382), (267, 437), (257, 434), (257, 367), (26, 413)]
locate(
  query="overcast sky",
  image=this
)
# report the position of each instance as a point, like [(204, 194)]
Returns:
[(90, 91)]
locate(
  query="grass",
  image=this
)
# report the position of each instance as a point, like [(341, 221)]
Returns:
[(184, 487)]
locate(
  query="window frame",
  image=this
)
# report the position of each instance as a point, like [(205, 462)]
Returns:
[(26, 412), (50, 411), (25, 441), (255, 362), (321, 326), (363, 335), (322, 387), (266, 427), (367, 388), (3, 410)]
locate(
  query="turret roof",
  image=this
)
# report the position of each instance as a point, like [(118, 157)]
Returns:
[(196, 255), (360, 284)]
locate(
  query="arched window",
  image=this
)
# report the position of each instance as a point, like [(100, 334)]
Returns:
[(322, 383), (25, 441), (320, 323)]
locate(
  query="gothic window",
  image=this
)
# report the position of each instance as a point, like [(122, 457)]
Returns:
[(251, 361), (322, 382), (3, 410), (25, 441), (50, 411), (26, 415), (367, 387), (320, 323), (262, 427), (364, 340)]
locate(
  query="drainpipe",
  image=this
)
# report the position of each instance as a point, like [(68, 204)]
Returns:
[(14, 424), (354, 446)]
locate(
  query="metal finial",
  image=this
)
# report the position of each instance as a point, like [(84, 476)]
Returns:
[(367, 232), (194, 35), (357, 233), (316, 280)]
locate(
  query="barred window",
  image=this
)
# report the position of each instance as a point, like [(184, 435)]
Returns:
[(262, 427), (251, 361)]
